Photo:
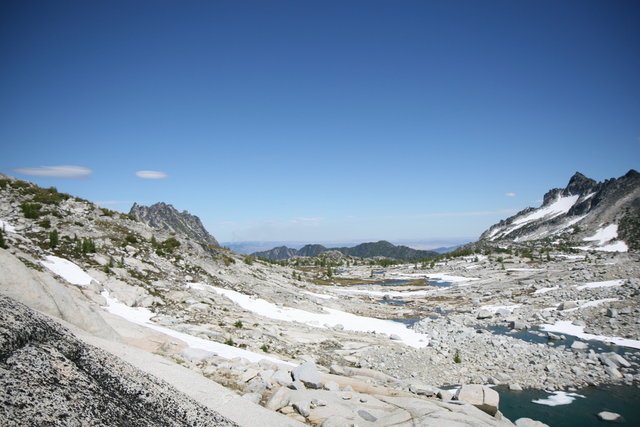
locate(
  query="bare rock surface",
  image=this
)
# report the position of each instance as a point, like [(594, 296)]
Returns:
[(48, 377)]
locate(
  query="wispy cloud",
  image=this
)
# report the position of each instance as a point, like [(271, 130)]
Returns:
[(511, 194), (151, 174), (70, 172), (473, 213), (306, 220), (113, 202)]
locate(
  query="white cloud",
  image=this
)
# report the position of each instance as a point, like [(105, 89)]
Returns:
[(306, 220), (511, 194), (151, 174), (72, 172)]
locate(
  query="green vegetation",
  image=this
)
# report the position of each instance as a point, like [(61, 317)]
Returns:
[(47, 196), (53, 238), (32, 210), (264, 348), (629, 229), (228, 260), (230, 342), (45, 223), (238, 324), (130, 238), (3, 243), (249, 260), (456, 357)]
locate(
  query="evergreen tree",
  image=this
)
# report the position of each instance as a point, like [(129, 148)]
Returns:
[(53, 238), (3, 244)]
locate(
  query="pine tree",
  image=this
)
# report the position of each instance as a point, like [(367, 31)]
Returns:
[(53, 238), (3, 244)]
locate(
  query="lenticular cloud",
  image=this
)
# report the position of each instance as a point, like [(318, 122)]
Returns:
[(73, 172)]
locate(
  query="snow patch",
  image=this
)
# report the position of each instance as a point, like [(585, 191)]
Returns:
[(566, 327), (328, 318), (142, 316), (494, 308), (558, 398), (545, 290), (604, 234), (559, 207), (67, 270), (605, 284), (7, 227), (321, 296)]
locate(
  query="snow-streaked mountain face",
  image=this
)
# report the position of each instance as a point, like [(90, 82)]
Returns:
[(588, 209)]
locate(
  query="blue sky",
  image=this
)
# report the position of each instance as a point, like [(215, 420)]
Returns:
[(321, 120)]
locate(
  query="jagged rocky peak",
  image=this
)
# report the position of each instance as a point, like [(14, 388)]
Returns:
[(166, 217), (583, 203)]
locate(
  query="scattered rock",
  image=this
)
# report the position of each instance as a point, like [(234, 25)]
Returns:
[(308, 374), (482, 397)]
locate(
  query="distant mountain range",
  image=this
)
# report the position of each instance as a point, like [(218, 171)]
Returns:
[(363, 250), (603, 215)]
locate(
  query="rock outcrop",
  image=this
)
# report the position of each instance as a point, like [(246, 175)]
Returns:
[(166, 217), (49, 377)]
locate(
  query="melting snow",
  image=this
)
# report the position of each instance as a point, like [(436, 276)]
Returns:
[(566, 327), (329, 318), (606, 284), (557, 398), (67, 270), (142, 316)]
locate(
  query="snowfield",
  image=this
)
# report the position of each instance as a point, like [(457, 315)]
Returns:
[(603, 235), (329, 318), (67, 270), (142, 316)]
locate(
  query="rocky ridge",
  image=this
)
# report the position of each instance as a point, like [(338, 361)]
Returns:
[(581, 209), (168, 218)]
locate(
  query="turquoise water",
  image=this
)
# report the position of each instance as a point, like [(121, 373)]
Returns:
[(582, 412)]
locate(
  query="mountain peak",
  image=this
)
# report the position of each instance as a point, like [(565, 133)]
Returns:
[(165, 216), (579, 184)]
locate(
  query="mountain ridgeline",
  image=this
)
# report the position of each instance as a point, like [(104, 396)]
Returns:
[(605, 212), (363, 250), (166, 217)]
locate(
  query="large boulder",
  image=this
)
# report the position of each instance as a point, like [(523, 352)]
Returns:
[(482, 397), (308, 374)]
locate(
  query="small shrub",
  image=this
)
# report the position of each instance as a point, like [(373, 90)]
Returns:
[(248, 260), (48, 196), (456, 357), (130, 238), (53, 238), (31, 210), (3, 243), (230, 342), (264, 348), (228, 260), (238, 324), (45, 223), (170, 244)]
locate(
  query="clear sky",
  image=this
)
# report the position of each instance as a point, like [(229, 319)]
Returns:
[(340, 120)]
